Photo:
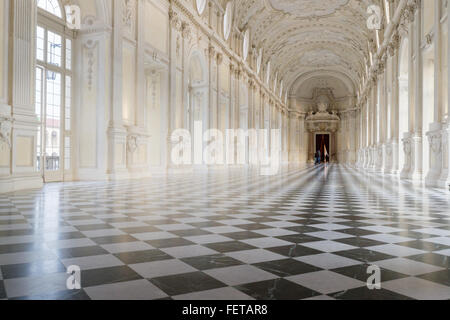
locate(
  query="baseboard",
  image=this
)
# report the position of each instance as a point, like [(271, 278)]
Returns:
[(20, 182)]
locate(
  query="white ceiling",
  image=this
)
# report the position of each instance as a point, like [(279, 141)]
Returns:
[(322, 41)]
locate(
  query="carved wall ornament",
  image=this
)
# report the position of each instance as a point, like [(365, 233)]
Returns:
[(185, 30), (90, 45), (175, 21), (435, 140), (128, 17), (132, 143), (5, 130), (429, 39)]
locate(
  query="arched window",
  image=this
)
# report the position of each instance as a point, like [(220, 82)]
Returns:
[(54, 46), (51, 6)]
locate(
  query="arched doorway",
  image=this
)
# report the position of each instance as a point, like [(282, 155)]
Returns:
[(196, 114)]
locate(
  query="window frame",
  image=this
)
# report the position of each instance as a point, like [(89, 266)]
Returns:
[(52, 23)]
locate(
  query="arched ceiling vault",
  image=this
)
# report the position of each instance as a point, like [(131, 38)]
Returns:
[(301, 38)]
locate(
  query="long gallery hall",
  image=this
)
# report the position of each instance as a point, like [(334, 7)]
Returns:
[(224, 150)]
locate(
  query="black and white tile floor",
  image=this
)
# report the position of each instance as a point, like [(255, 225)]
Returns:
[(303, 234)]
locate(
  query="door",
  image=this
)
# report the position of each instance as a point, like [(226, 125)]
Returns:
[(322, 142)]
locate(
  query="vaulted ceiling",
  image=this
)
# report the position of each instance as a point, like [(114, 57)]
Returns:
[(322, 39)]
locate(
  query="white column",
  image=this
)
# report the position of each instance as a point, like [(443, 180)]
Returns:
[(435, 134), (19, 122), (417, 148)]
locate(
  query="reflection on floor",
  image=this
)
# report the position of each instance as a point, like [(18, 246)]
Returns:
[(303, 234)]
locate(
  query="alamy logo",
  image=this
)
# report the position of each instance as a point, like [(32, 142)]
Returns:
[(73, 14), (374, 20), (374, 281), (74, 280), (213, 147)]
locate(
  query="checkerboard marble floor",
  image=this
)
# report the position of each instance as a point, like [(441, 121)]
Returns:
[(306, 233)]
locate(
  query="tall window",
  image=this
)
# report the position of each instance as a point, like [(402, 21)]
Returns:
[(53, 90)]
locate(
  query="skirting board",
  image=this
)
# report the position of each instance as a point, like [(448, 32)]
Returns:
[(22, 182)]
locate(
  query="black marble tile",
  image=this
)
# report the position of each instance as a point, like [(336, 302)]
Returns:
[(114, 239), (169, 243), (364, 255), (2, 290), (77, 252), (243, 235), (93, 227), (12, 233), (190, 232), (206, 224), (186, 283), (357, 232), (23, 270), (364, 293), (60, 295), (142, 256), (229, 246), (441, 277), (360, 242), (423, 245), (295, 250), (211, 262), (286, 267), (433, 259), (95, 277), (359, 272), (252, 226), (22, 247), (277, 289), (299, 238), (304, 229), (135, 230)]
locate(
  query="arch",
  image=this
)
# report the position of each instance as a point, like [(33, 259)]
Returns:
[(51, 6), (197, 74), (428, 106), (197, 95), (296, 85), (403, 105)]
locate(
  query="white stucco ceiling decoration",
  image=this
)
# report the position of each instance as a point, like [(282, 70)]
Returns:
[(308, 8), (309, 37), (320, 58)]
